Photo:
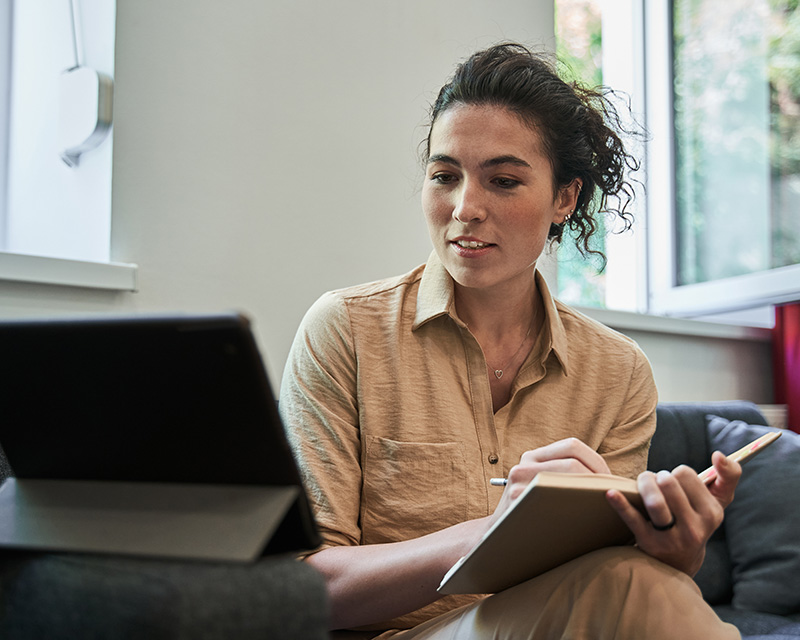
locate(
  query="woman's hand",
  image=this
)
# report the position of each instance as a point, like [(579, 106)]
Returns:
[(683, 512), (565, 456)]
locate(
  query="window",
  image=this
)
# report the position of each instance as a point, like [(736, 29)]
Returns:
[(728, 222), (737, 137), (53, 215), (721, 106)]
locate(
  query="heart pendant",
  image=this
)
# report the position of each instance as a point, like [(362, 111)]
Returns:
[(498, 373)]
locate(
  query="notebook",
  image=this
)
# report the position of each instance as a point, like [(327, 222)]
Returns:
[(145, 435)]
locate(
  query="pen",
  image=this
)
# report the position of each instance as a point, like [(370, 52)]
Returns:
[(709, 474), (742, 454)]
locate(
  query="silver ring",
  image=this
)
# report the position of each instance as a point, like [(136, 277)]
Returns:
[(664, 527)]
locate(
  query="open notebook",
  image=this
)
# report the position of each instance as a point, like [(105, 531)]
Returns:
[(145, 435)]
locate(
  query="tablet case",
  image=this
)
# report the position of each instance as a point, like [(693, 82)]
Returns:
[(145, 435)]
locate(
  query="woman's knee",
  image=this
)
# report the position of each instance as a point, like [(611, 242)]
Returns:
[(627, 570)]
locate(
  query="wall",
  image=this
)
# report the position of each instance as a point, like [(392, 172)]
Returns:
[(699, 360), (693, 368), (265, 152)]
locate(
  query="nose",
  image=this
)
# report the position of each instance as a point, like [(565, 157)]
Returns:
[(470, 204)]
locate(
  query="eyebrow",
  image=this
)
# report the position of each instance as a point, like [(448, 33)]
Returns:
[(491, 162)]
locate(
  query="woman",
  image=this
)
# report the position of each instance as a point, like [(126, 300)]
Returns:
[(404, 397)]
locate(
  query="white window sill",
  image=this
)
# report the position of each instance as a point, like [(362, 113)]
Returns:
[(117, 276), (627, 321)]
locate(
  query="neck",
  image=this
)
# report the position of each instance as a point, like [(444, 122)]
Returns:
[(497, 315)]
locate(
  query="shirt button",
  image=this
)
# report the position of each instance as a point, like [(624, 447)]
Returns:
[(493, 458)]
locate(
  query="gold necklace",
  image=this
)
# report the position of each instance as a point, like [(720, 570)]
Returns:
[(498, 373)]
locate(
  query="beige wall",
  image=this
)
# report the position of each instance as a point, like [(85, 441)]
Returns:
[(694, 368)]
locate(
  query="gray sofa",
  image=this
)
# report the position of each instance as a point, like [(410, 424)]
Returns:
[(751, 574)]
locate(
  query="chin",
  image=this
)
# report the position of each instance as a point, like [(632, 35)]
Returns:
[(464, 278)]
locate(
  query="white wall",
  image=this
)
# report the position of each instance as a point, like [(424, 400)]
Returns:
[(266, 151)]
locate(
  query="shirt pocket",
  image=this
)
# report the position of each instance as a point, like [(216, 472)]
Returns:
[(411, 489)]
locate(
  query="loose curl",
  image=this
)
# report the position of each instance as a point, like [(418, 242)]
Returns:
[(578, 127)]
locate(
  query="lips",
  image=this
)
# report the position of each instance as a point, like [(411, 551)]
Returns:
[(471, 244), (470, 247)]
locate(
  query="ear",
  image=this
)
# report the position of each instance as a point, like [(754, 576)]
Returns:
[(567, 200)]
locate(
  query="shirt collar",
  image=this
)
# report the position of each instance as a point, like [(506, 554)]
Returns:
[(436, 297), (555, 327), (436, 294)]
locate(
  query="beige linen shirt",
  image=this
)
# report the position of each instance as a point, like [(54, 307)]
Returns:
[(388, 407)]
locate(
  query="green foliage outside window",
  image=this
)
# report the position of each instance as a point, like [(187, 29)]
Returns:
[(579, 53), (737, 132)]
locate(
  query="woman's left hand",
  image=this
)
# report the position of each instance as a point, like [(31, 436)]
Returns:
[(682, 511)]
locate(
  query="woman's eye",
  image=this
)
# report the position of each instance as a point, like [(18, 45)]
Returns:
[(443, 178), (506, 183)]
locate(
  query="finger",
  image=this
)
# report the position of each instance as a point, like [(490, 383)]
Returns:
[(654, 489), (697, 512), (727, 476), (629, 514), (560, 465), (570, 449), (699, 497), (702, 503), (520, 475)]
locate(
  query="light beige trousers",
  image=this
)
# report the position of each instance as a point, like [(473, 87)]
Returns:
[(618, 593)]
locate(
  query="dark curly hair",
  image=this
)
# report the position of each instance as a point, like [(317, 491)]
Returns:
[(578, 127)]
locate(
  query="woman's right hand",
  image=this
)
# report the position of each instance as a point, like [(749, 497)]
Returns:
[(563, 456)]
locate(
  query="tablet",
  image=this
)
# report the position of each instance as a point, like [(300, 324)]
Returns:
[(146, 435)]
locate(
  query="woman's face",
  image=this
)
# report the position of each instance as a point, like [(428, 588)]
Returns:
[(488, 196)]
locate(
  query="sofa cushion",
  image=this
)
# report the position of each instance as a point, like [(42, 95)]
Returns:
[(754, 624), (714, 577), (762, 525), (681, 438)]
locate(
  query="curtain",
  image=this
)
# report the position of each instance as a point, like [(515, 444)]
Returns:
[(786, 360)]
